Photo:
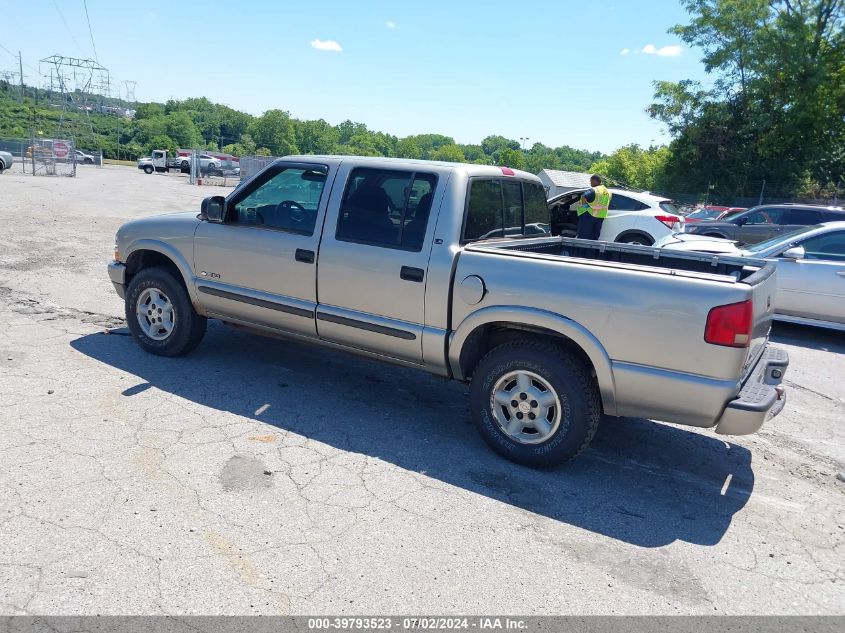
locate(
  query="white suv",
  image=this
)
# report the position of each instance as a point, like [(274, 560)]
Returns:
[(632, 218)]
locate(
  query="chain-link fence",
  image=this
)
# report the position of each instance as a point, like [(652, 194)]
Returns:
[(42, 157), (251, 165)]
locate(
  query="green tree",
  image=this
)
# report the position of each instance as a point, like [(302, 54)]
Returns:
[(161, 141), (777, 109), (513, 158), (180, 127), (316, 137), (633, 166), (448, 153), (407, 148), (274, 130)]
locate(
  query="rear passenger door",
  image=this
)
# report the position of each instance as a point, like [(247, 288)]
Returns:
[(373, 260)]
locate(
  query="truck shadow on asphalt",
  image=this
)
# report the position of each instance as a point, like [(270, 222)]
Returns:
[(640, 482), (820, 339)]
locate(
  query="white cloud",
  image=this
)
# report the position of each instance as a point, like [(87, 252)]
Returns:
[(665, 51), (625, 51), (391, 24), (326, 45)]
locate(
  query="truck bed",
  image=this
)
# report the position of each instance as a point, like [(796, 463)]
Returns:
[(749, 271)]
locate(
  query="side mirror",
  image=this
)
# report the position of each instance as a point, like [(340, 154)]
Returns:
[(212, 208), (794, 253), (741, 221)]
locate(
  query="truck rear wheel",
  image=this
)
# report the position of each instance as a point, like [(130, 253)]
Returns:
[(534, 403), (160, 315)]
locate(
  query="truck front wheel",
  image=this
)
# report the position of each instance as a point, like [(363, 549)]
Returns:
[(534, 403), (148, 169), (160, 315)]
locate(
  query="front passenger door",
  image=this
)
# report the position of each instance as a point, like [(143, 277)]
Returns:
[(814, 287), (760, 225)]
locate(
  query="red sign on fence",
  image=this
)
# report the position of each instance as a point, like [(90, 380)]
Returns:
[(60, 149)]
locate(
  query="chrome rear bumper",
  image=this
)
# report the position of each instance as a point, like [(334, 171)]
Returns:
[(761, 397)]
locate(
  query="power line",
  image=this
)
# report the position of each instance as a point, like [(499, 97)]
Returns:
[(61, 15), (90, 32), (32, 68)]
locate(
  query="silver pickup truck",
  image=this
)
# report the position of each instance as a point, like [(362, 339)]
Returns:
[(450, 268)]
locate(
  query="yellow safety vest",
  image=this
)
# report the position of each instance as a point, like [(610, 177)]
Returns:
[(598, 207)]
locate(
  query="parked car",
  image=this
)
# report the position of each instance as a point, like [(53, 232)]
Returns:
[(6, 160), (387, 258), (632, 218), (713, 214), (159, 161), (810, 270), (85, 159), (208, 164), (767, 221)]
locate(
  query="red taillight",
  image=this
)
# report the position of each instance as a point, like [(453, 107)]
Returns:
[(730, 325), (669, 220)]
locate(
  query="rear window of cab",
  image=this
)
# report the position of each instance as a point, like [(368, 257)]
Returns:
[(505, 207)]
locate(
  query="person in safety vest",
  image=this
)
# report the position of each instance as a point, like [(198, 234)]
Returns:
[(593, 209)]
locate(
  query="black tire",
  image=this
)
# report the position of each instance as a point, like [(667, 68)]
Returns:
[(2, 166), (635, 239), (88, 161), (148, 169), (578, 394), (185, 165), (188, 327)]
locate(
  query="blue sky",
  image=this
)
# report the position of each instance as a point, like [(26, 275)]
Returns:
[(565, 72)]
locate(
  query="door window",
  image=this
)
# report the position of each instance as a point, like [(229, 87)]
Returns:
[(286, 199), (536, 209), (623, 203), (764, 216), (830, 247), (505, 208), (387, 208), (801, 217)]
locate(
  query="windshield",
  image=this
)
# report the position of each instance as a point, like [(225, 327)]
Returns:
[(780, 239), (705, 214)]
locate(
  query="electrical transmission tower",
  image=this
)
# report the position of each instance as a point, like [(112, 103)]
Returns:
[(130, 90), (79, 84)]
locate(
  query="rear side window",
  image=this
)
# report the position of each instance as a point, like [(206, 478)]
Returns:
[(802, 217), (624, 203), (388, 208), (505, 208)]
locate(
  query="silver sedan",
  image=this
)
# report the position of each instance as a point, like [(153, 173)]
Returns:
[(810, 269)]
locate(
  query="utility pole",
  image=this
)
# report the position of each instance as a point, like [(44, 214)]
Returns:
[(20, 65), (762, 189)]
